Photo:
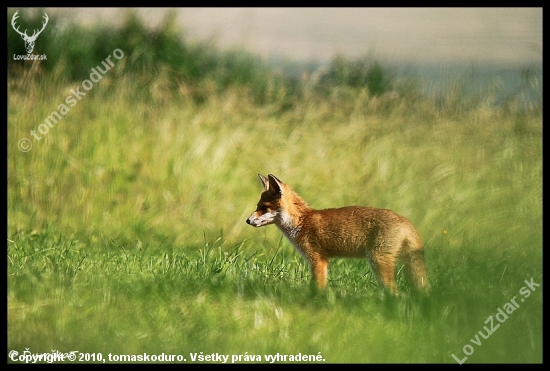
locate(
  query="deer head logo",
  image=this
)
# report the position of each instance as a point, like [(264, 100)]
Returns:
[(29, 40)]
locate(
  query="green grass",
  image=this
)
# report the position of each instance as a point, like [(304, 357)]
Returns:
[(127, 233), (114, 297)]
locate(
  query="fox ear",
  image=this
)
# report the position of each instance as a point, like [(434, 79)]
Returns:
[(265, 181), (275, 184)]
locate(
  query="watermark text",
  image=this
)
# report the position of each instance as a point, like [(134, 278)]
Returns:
[(492, 323), (25, 144)]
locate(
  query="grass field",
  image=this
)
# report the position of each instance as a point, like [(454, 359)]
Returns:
[(127, 233)]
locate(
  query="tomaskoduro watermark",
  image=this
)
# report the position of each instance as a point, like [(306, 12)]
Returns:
[(25, 144), (501, 317)]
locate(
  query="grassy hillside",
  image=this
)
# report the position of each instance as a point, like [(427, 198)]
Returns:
[(126, 219)]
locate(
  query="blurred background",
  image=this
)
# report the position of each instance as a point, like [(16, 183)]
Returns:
[(191, 73), (437, 45), (506, 36)]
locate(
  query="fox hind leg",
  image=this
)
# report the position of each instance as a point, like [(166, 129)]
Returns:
[(383, 267)]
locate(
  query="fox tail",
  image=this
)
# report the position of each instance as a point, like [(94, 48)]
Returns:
[(415, 269)]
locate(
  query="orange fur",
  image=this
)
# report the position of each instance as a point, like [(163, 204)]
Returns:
[(380, 235)]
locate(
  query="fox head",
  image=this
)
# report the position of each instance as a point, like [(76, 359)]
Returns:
[(269, 206)]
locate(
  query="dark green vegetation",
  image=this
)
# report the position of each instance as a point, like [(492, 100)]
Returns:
[(126, 220)]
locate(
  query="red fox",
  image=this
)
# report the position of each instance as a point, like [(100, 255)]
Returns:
[(380, 235)]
